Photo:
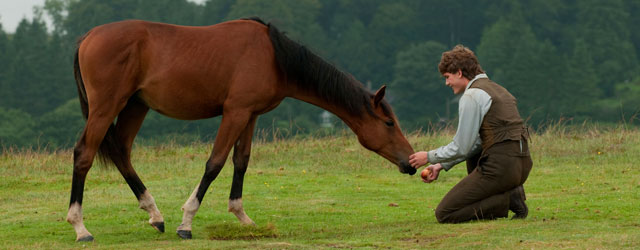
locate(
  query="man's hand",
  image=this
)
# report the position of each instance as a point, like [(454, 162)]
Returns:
[(418, 159), (435, 172)]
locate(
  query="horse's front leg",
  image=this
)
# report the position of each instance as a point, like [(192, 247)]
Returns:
[(241, 153), (232, 125)]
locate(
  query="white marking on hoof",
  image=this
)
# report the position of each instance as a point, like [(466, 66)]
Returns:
[(74, 217), (190, 208), (148, 204), (235, 206)]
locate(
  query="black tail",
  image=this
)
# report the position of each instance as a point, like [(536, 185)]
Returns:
[(110, 150), (82, 94)]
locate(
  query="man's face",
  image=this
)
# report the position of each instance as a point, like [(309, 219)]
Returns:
[(456, 81)]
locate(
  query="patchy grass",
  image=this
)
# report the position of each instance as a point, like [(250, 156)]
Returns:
[(310, 193), (235, 231)]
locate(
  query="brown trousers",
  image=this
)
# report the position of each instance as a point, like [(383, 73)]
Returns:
[(484, 193)]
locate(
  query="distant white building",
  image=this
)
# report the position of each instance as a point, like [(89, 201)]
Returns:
[(325, 118)]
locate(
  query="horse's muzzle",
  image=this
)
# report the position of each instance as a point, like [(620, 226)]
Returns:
[(405, 168)]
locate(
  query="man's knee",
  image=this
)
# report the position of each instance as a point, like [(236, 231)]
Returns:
[(442, 216)]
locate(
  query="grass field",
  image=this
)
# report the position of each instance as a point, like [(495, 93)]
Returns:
[(583, 192)]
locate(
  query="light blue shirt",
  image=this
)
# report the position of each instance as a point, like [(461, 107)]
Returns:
[(472, 107)]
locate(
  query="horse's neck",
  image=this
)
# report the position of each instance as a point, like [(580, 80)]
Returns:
[(352, 121)]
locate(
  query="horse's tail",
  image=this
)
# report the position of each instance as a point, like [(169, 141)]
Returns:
[(110, 150), (82, 93)]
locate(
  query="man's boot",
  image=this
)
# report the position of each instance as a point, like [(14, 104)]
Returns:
[(517, 204)]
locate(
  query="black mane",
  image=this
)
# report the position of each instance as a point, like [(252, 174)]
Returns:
[(312, 73)]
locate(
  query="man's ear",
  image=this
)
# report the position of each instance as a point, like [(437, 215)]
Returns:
[(379, 95), (459, 73)]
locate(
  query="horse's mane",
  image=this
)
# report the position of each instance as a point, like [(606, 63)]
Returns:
[(312, 73)]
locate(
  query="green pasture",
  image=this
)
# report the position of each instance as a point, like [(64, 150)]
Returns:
[(311, 193)]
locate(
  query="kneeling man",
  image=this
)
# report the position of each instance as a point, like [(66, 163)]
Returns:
[(491, 137)]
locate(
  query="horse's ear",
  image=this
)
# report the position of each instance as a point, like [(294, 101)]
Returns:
[(379, 95)]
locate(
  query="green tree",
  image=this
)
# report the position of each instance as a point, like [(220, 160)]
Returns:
[(549, 19), (627, 93), (580, 83), (362, 10), (168, 11), (61, 127), (296, 17), (157, 127), (59, 74), (633, 6), (418, 93), (623, 105), (215, 11), (451, 22), (27, 74), (290, 118), (351, 50), (6, 57), (532, 70), (84, 15), (557, 57), (16, 128), (603, 27), (391, 30)]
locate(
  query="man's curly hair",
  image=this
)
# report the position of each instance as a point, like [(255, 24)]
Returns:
[(460, 58)]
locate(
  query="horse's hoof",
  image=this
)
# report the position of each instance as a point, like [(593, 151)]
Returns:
[(184, 234), (85, 239), (158, 226)]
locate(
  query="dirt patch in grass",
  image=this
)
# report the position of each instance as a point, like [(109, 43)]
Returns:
[(234, 231)]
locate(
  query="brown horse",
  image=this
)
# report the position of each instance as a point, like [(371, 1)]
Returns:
[(238, 69)]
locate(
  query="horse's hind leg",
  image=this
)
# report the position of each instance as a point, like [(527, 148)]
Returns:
[(128, 124), (241, 153)]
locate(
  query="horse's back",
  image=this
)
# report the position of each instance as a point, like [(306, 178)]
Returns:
[(168, 43), (185, 72)]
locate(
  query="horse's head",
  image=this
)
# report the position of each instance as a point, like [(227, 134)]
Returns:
[(380, 132)]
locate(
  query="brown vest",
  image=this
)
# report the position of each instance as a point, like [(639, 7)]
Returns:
[(502, 122)]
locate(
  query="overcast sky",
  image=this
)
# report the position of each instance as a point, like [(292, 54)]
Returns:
[(12, 11)]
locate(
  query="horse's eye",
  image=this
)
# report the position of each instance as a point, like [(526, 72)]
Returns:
[(389, 123)]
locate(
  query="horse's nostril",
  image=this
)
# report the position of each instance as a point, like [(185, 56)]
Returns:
[(412, 171), (407, 169)]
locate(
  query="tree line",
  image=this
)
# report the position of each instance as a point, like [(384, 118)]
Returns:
[(574, 59)]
